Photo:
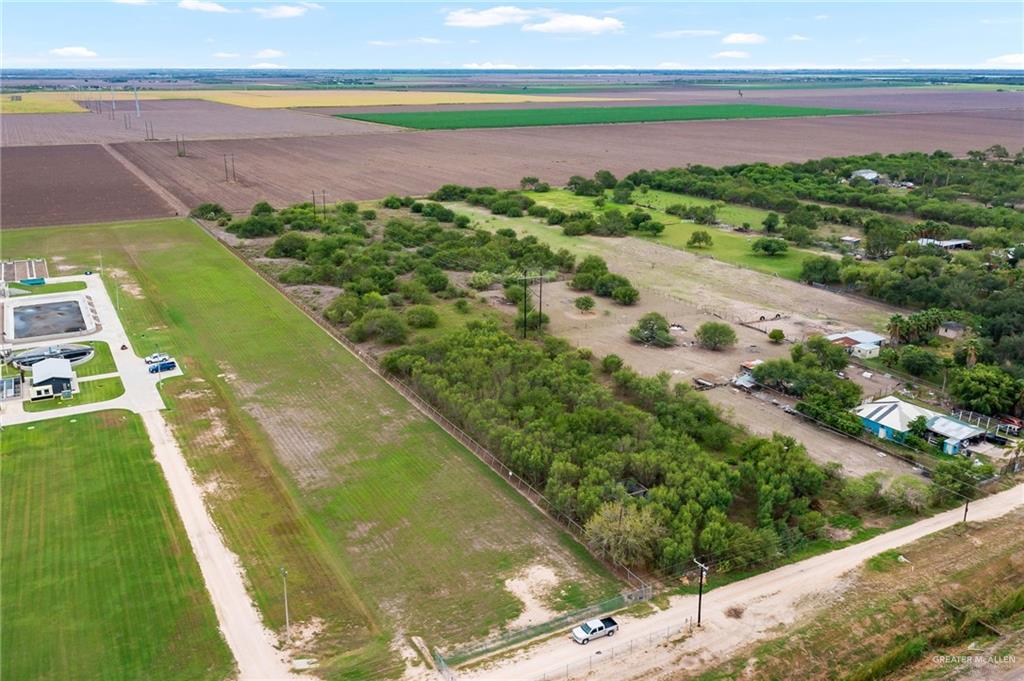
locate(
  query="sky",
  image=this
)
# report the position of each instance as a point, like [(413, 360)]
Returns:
[(556, 35)]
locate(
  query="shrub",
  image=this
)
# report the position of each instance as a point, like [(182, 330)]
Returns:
[(462, 306), (421, 317), (652, 329), (416, 207), (776, 335), (391, 202), (257, 226), (699, 239), (344, 309), (462, 221), (262, 208), (538, 211), (481, 280), (584, 303), (769, 246), (384, 325), (210, 211), (583, 281), (368, 214), (556, 217), (611, 363), (290, 245), (625, 295), (607, 283), (715, 335)]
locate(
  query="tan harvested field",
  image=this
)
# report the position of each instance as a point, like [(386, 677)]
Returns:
[(894, 100), (285, 170), (72, 184), (195, 119)]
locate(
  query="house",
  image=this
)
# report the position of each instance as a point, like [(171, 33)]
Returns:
[(866, 174), (51, 376), (890, 417), (865, 350), (953, 330), (947, 244), (850, 240), (851, 339)]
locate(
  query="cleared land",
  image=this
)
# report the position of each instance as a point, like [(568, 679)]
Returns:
[(518, 118), (59, 185), (388, 527), (888, 602), (53, 102), (284, 171), (99, 580), (195, 119)]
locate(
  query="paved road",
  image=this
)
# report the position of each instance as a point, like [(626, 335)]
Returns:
[(252, 645), (769, 599)]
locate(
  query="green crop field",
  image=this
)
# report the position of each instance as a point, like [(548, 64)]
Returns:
[(386, 525), (513, 118), (99, 390), (99, 581), (728, 246)]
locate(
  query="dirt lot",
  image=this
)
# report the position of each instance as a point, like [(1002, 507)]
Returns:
[(896, 100), (195, 119), (759, 415), (71, 184), (285, 170)]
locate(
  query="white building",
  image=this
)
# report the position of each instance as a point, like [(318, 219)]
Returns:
[(50, 377)]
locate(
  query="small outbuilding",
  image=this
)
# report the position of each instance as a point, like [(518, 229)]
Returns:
[(952, 330), (865, 350), (851, 339), (50, 377), (947, 244), (850, 240), (866, 174)]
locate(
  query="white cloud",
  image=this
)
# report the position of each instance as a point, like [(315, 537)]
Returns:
[(731, 54), (822, 17), (495, 16), (576, 23), (268, 54), (687, 33), (76, 52), (490, 66), (311, 5), (672, 66), (203, 6), (537, 20), (281, 11), (797, 38), (744, 39), (1014, 60), (265, 65), (226, 55)]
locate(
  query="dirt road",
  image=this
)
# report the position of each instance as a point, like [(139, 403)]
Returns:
[(767, 600)]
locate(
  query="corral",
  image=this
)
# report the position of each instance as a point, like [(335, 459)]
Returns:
[(284, 171), (75, 183)]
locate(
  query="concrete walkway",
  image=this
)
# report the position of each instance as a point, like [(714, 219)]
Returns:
[(252, 645)]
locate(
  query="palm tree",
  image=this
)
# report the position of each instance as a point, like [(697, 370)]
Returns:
[(971, 348), (895, 328)]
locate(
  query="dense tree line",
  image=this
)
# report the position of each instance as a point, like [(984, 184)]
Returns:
[(542, 409), (940, 182)]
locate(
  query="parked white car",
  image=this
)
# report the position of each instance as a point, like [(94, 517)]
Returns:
[(157, 357)]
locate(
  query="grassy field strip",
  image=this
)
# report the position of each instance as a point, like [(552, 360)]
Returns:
[(90, 391), (64, 102), (514, 118), (60, 287), (727, 246), (386, 525), (99, 580)]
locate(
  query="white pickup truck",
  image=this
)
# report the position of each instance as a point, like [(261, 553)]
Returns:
[(588, 631)]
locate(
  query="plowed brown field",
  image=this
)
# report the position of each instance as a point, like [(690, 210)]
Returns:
[(370, 166), (71, 184)]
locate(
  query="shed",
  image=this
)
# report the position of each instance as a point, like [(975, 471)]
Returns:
[(952, 330), (850, 240), (866, 174), (865, 350), (51, 376)]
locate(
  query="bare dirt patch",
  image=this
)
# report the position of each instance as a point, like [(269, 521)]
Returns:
[(530, 587), (125, 282)]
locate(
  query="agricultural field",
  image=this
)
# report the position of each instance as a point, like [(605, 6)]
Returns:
[(284, 171), (518, 118), (301, 451), (62, 102), (65, 184), (99, 579)]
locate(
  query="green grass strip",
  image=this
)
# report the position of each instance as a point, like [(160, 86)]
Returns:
[(512, 118)]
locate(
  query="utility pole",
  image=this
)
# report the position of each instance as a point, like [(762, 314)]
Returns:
[(967, 505), (526, 298), (323, 201), (138, 111), (287, 617), (314, 205), (700, 588)]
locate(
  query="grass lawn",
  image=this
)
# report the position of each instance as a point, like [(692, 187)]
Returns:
[(99, 580), (385, 524), (513, 118), (102, 362), (100, 390), (60, 287), (727, 246)]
